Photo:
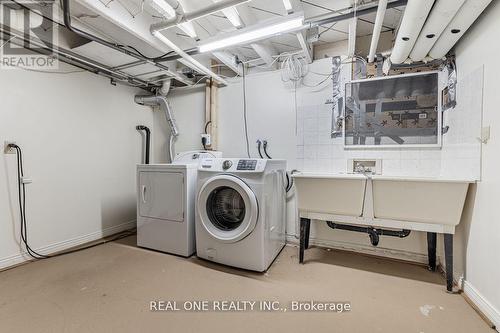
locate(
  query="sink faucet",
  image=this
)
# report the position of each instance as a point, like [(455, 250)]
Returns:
[(360, 168)]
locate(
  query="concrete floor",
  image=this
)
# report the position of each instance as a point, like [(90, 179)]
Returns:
[(109, 288)]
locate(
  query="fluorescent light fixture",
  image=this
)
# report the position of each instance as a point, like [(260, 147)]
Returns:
[(288, 5), (254, 33), (163, 7), (188, 60)]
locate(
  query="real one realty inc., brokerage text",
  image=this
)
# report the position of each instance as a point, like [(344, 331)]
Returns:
[(248, 305)]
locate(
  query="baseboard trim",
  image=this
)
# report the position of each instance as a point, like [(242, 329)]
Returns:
[(482, 304), (17, 259), (370, 250)]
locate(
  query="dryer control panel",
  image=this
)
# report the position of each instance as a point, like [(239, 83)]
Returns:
[(232, 165)]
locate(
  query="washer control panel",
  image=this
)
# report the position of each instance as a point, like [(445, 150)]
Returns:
[(232, 165), (247, 165), (226, 164)]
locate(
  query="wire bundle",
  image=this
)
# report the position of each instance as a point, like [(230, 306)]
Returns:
[(22, 205), (22, 212), (293, 68)]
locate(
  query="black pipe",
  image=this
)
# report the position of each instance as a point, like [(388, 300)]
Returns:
[(148, 140), (264, 145), (259, 143), (76, 60), (352, 14), (373, 233)]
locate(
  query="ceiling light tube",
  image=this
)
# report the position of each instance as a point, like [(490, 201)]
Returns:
[(255, 33)]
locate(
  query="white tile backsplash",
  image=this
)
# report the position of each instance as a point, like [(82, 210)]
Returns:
[(459, 157), (324, 152)]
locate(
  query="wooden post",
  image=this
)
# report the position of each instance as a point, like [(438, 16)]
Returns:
[(213, 115), (211, 98)]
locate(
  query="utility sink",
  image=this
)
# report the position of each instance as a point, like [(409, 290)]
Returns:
[(378, 199)]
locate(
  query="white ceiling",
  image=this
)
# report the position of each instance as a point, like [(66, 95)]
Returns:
[(217, 23)]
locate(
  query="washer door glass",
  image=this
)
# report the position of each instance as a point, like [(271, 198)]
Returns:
[(225, 208)]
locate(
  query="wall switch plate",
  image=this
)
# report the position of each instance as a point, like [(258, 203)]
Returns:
[(7, 149)]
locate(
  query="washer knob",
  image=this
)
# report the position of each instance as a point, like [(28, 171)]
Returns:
[(226, 164)]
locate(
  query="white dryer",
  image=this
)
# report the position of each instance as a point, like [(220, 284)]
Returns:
[(166, 196), (240, 211)]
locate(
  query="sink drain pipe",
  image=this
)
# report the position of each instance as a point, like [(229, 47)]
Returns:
[(373, 233)]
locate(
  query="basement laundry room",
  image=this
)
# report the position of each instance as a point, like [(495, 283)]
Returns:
[(249, 166)]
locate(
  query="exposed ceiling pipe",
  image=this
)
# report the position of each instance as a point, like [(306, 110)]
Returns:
[(351, 41), (414, 18), (328, 18), (43, 47), (324, 19), (187, 17), (84, 34), (441, 15), (462, 21), (377, 28), (187, 27), (138, 27), (189, 61)]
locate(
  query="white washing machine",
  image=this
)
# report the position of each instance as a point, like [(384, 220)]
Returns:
[(240, 211), (166, 196)]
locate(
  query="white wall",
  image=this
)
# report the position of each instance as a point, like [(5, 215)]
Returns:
[(271, 115), (482, 234), (80, 148)]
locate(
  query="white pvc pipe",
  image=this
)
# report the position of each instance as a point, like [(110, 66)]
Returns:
[(462, 21), (351, 41), (441, 15), (377, 28), (413, 19), (186, 17)]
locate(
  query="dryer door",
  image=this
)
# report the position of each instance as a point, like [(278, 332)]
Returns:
[(228, 208)]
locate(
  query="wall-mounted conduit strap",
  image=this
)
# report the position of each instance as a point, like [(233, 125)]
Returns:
[(374, 233)]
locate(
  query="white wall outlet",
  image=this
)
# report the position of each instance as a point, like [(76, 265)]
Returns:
[(364, 165), (207, 138), (485, 134), (7, 149)]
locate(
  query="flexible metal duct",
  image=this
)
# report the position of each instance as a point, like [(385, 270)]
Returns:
[(462, 21), (162, 102), (441, 15), (414, 18)]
